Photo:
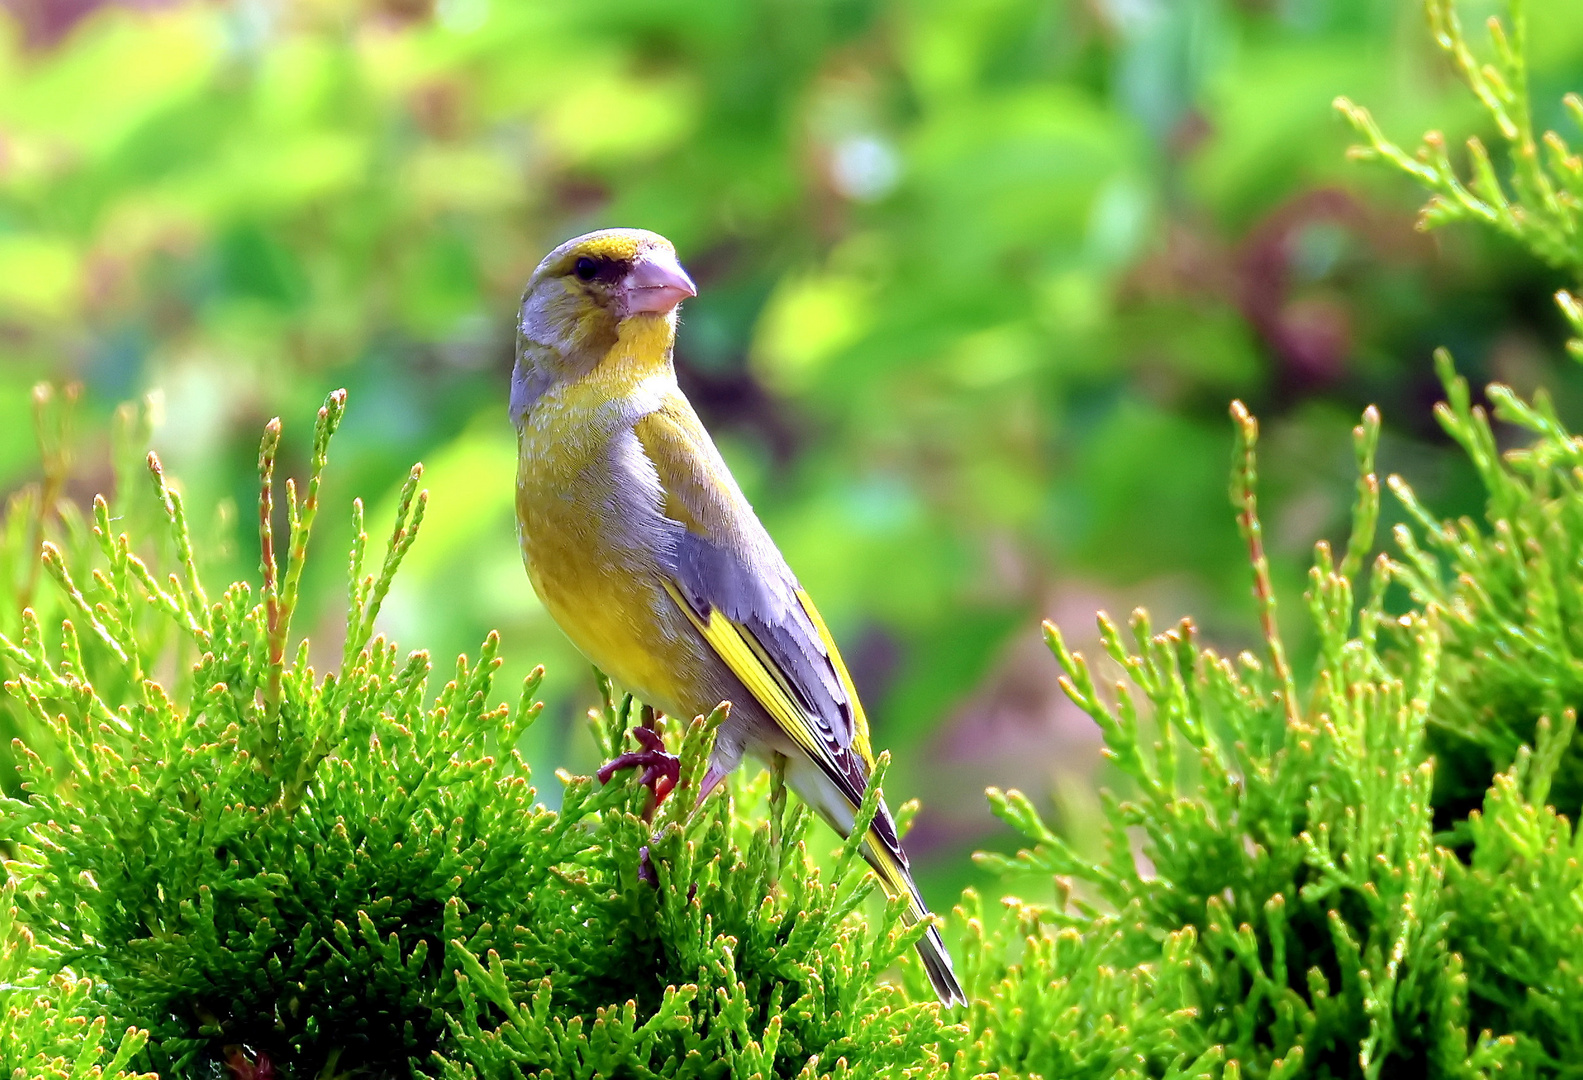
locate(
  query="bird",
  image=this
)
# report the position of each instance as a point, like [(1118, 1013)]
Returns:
[(642, 547)]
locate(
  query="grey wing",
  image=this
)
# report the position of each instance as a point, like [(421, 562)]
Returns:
[(722, 560), (769, 612), (761, 597)]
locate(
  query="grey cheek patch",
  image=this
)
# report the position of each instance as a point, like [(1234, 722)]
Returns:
[(527, 386)]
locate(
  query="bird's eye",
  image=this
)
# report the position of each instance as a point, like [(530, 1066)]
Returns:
[(585, 269)]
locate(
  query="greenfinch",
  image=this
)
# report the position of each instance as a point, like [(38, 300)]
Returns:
[(643, 549)]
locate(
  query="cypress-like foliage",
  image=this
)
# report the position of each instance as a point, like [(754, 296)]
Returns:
[(272, 870)]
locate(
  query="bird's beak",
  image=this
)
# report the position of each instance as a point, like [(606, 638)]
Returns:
[(657, 283)]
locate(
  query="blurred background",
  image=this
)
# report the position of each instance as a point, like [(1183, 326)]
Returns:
[(978, 279)]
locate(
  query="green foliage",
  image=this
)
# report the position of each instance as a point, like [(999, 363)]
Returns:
[(337, 874), (1081, 998), (347, 877), (1544, 209), (1517, 899), (1507, 601), (1285, 850), (53, 1027), (1273, 891), (1506, 598), (1285, 853)]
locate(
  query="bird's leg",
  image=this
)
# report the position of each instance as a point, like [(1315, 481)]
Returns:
[(260, 1067), (646, 872), (661, 771), (714, 776)]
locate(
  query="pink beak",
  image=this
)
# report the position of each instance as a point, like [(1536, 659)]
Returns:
[(657, 283)]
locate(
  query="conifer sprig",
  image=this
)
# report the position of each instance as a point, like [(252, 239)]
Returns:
[(1543, 208)]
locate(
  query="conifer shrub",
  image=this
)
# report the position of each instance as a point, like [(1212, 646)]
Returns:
[(223, 863), (1508, 595), (1370, 871), (1289, 909), (1294, 909), (272, 872)]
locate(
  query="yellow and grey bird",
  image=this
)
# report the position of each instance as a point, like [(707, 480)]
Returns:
[(644, 550)]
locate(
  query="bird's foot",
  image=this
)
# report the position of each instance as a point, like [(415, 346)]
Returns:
[(661, 769), (245, 1064)]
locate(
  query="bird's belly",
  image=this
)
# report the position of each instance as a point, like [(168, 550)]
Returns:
[(589, 542), (618, 626)]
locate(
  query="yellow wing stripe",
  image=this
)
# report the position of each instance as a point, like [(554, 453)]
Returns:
[(727, 639), (893, 877), (859, 718)]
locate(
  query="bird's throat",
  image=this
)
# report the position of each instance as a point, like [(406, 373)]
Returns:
[(642, 350)]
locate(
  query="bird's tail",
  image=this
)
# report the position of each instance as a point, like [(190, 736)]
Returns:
[(897, 881), (882, 850)]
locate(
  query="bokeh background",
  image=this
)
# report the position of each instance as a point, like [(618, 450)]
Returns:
[(978, 281)]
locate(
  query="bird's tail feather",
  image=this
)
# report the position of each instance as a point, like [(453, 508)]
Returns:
[(897, 881), (937, 965), (835, 806)]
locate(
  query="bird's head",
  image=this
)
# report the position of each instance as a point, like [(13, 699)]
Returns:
[(579, 298)]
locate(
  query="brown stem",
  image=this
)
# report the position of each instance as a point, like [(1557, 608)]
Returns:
[(271, 573), (1245, 500), (646, 719)]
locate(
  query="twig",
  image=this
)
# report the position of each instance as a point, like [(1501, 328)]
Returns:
[(1244, 480), (266, 541)]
